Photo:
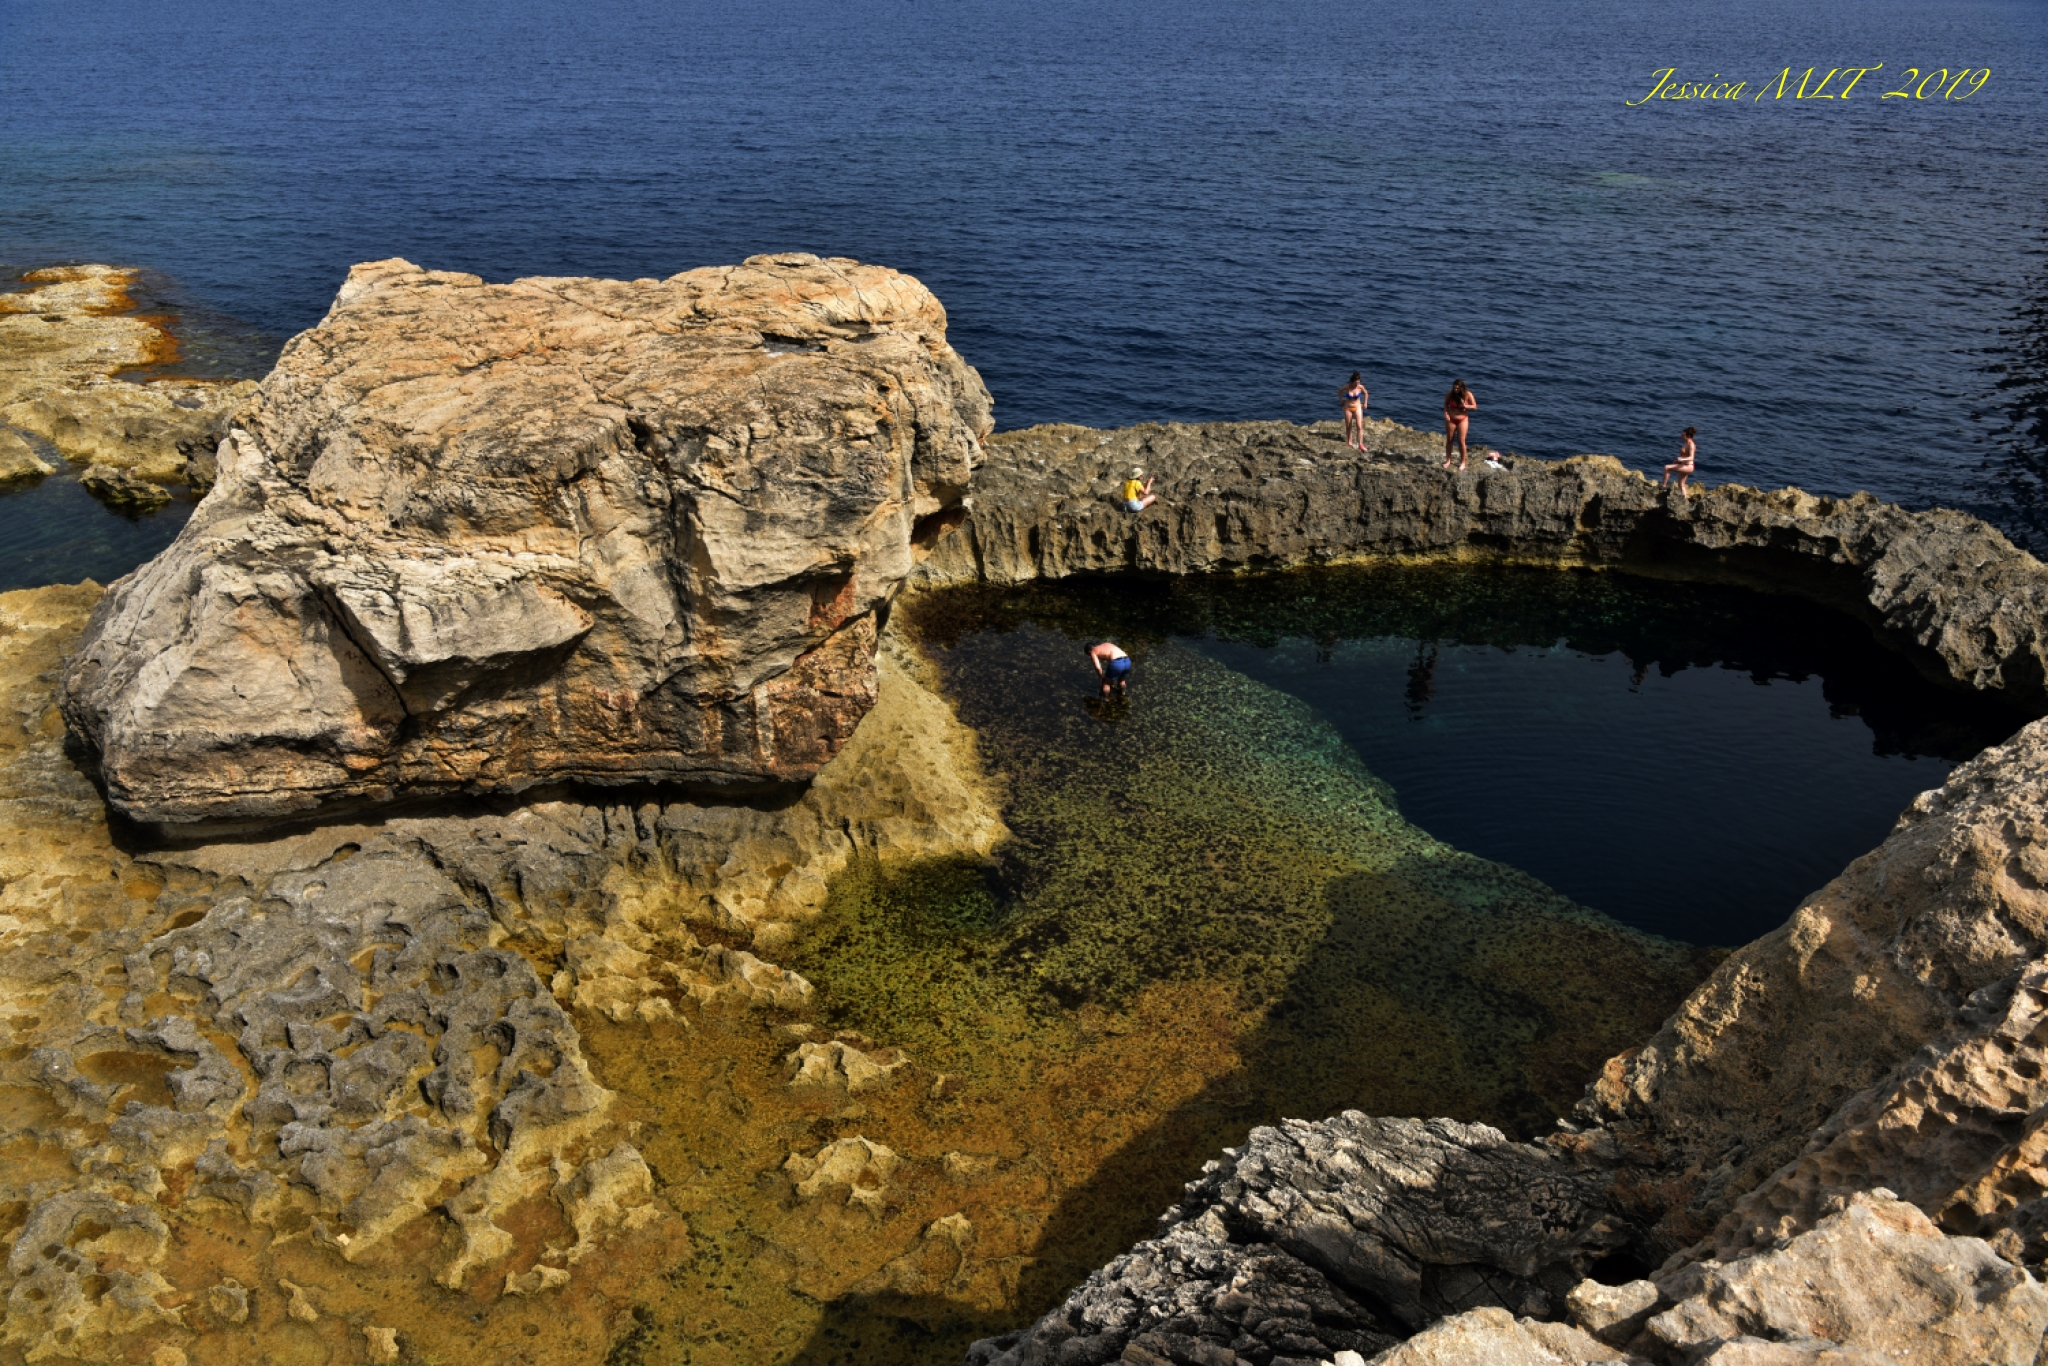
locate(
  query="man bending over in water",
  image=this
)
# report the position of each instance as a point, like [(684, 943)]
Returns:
[(1112, 666)]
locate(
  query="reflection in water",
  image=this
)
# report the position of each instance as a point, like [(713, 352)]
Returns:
[(2020, 413), (53, 531), (1421, 677)]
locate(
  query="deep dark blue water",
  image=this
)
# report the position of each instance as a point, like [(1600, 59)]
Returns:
[(1138, 210), (1689, 759)]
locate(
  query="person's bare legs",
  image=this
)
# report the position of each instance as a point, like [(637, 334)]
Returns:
[(1684, 473), (1455, 428)]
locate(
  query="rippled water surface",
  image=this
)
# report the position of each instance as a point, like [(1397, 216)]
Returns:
[(1143, 211)]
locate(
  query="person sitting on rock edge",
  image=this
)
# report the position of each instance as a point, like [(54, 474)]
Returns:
[(1138, 497), (1687, 452), (1112, 666)]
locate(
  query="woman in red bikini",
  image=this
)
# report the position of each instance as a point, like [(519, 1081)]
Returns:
[(1459, 405), (1355, 396)]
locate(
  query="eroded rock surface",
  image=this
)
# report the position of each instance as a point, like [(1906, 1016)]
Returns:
[(1308, 1223), (1882, 1036), (1498, 1338), (1874, 1281), (474, 537), (346, 1030), (1236, 495), (63, 339), (19, 461)]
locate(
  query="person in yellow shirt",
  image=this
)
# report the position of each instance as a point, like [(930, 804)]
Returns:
[(1138, 497)]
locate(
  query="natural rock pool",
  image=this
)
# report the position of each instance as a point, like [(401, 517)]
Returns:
[(1690, 759), (1217, 910)]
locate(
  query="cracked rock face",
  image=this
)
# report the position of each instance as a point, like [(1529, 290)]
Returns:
[(1873, 1281), (473, 537), (1888, 1034), (1337, 1236)]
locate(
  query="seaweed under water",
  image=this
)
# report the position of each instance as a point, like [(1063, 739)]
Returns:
[(1691, 759), (1207, 873)]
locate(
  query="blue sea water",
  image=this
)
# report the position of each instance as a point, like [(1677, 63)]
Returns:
[(1145, 211), (1141, 211)]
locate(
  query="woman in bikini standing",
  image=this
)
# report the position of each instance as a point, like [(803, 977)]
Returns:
[(1355, 396), (1459, 405)]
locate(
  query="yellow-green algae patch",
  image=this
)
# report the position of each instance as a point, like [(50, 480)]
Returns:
[(1210, 916)]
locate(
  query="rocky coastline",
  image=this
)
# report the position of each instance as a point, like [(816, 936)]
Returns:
[(1950, 591), (332, 990), (1880, 1041), (71, 342)]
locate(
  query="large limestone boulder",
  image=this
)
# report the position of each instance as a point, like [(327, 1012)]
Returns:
[(473, 537)]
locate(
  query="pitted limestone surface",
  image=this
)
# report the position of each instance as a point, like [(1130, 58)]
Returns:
[(1881, 1036), (284, 1054)]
